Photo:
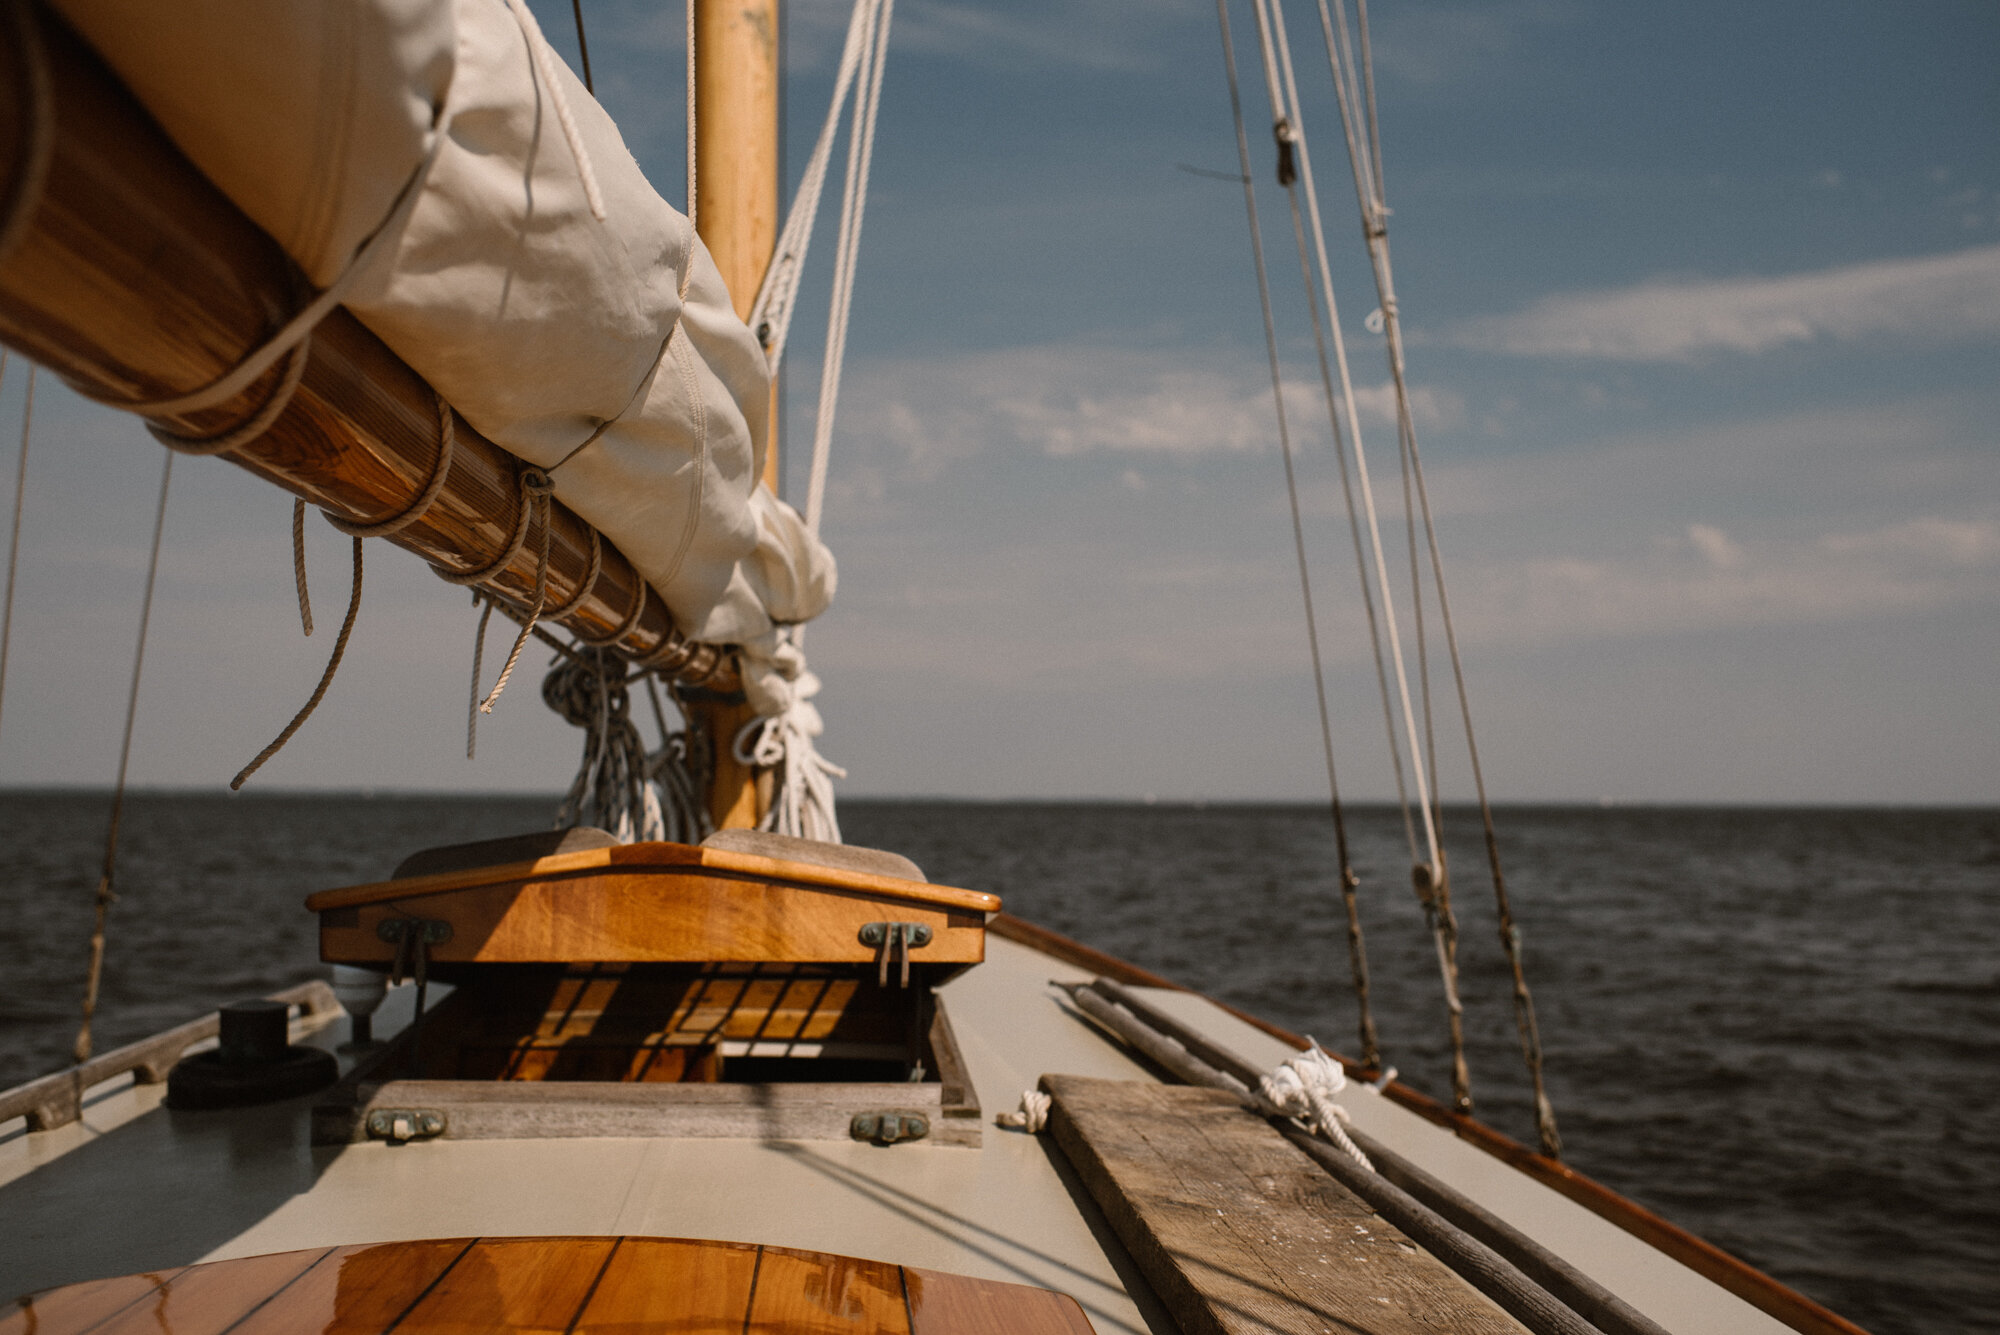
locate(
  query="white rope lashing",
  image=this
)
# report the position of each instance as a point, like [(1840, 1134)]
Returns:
[(802, 804), (1303, 1087)]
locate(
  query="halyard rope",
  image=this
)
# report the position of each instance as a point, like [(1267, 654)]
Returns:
[(106, 896), (1428, 876), (1370, 1043), (14, 533), (1361, 125)]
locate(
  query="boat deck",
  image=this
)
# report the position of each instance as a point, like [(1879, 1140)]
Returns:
[(133, 1186)]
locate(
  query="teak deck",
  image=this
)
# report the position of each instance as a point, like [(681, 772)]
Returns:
[(1239, 1232), (581, 1285)]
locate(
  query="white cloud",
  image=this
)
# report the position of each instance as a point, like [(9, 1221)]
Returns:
[(1937, 297), (1067, 400)]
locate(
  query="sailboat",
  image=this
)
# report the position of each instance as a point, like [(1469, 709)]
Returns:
[(397, 262)]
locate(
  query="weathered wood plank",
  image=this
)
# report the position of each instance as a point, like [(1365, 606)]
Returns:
[(526, 1110), (812, 1291), (947, 1304), (1238, 1231)]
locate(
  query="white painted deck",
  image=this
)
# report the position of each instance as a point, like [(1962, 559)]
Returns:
[(136, 1187)]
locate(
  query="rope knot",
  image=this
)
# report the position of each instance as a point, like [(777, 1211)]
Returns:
[(1303, 1087), (537, 483)]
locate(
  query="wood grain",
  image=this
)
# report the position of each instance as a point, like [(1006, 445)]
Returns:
[(661, 856), (136, 279), (800, 1292), (671, 1284), (81, 1306), (1240, 1232), (357, 1290), (587, 1285), (516, 1284), (947, 1304), (214, 1297)]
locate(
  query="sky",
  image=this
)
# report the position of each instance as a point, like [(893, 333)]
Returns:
[(1703, 308)]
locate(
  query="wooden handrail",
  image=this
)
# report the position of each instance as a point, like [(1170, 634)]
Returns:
[(133, 278), (57, 1100)]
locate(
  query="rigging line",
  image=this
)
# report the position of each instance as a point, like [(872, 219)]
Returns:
[(1430, 880), (583, 47), (1374, 220), (478, 658), (1350, 882), (319, 692), (1304, 152), (771, 314), (14, 535), (847, 252), (1371, 1047), (106, 896), (690, 115)]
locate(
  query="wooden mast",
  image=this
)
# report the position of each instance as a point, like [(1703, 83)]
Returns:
[(736, 212)]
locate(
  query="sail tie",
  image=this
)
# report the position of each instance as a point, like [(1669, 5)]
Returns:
[(802, 805)]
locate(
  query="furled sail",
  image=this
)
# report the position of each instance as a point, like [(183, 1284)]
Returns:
[(481, 214)]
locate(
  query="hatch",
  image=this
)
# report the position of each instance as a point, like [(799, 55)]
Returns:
[(754, 985)]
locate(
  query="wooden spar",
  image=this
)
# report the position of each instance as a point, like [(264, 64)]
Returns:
[(736, 211), (130, 276)]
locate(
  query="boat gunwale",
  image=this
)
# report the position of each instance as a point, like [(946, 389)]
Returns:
[(1771, 1296)]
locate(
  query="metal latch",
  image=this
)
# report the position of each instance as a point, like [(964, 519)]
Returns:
[(886, 1128), (431, 931), (897, 938), (401, 1124)]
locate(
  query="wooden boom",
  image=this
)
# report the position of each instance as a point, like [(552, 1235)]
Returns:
[(124, 271)]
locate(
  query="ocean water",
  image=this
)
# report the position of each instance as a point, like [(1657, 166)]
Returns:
[(1778, 1028)]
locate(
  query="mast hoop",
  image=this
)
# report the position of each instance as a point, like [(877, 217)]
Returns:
[(525, 511), (252, 427), (628, 625), (587, 585), (421, 504)]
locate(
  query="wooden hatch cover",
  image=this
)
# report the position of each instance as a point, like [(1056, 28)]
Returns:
[(584, 1285), (656, 903)]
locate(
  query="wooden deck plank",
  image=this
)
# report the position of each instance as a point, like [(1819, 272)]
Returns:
[(1240, 1232), (513, 1284), (358, 1290), (672, 1284), (80, 1307), (207, 1299), (947, 1304), (799, 1292)]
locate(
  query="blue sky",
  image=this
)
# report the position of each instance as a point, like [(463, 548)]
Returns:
[(1704, 309)]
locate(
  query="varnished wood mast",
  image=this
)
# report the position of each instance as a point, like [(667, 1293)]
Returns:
[(736, 211), (124, 271)]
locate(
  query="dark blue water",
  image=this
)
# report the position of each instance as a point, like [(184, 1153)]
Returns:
[(1780, 1029)]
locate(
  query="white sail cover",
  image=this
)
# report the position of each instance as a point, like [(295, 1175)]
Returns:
[(541, 324)]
